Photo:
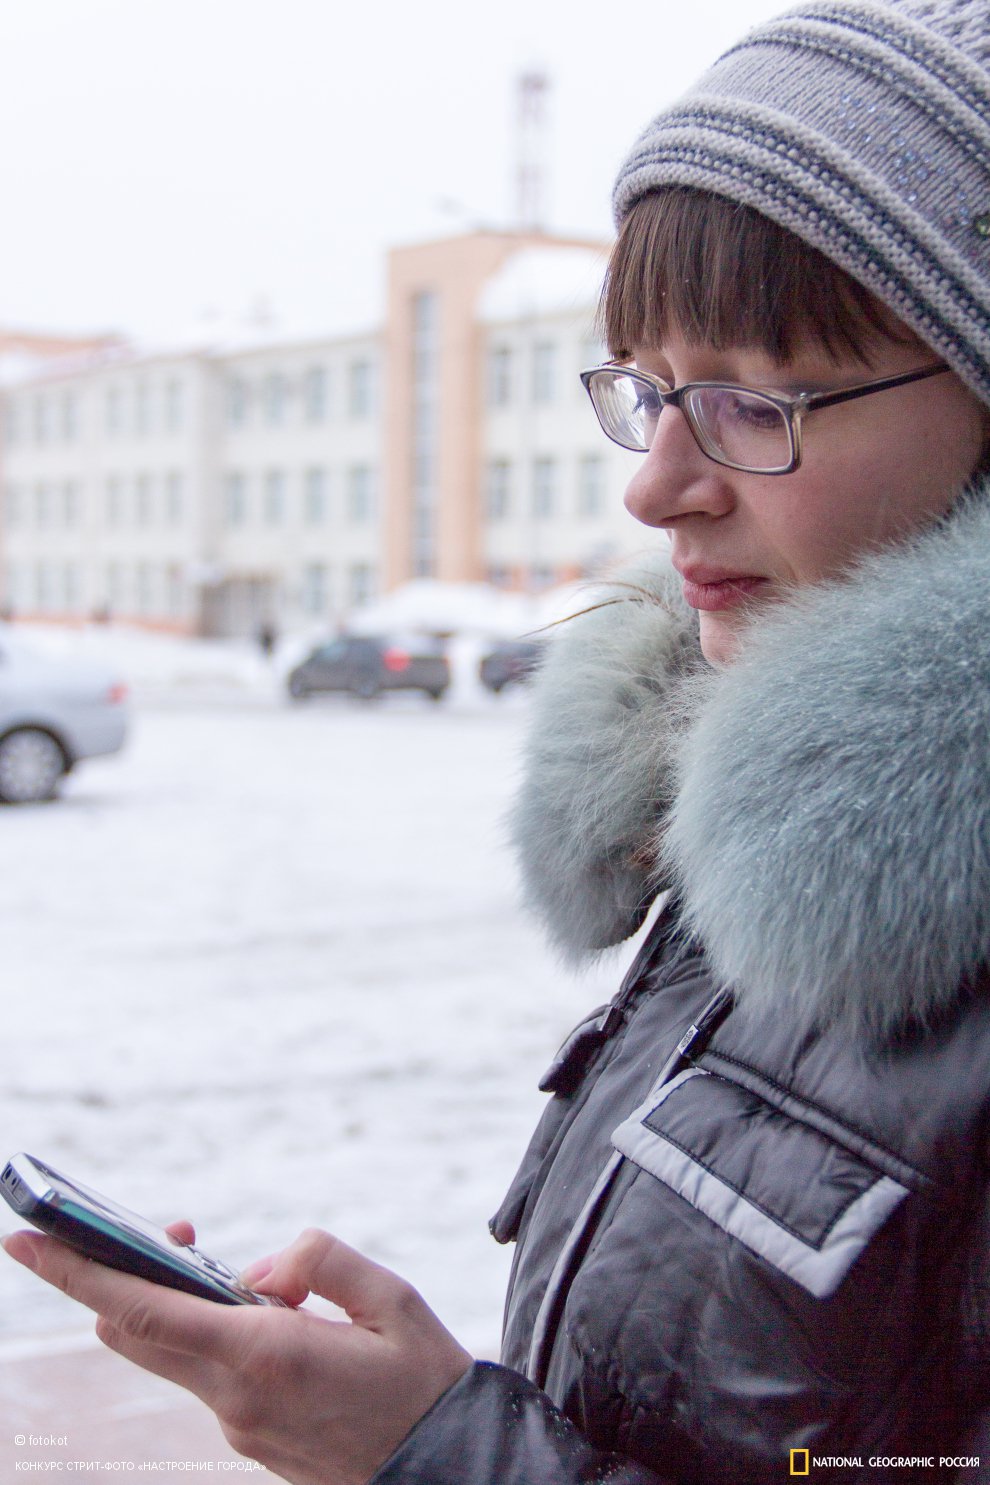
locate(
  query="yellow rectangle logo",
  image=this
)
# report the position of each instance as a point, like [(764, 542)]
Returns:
[(800, 1457)]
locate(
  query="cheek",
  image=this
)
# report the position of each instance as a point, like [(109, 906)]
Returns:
[(812, 529), (865, 501), (927, 455)]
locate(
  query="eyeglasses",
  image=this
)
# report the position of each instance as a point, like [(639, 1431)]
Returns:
[(758, 432)]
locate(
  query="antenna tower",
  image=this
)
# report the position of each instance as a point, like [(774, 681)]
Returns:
[(532, 91)]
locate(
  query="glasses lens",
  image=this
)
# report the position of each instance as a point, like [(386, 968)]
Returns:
[(742, 427), (627, 408)]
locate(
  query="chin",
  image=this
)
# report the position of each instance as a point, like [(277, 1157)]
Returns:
[(721, 637)]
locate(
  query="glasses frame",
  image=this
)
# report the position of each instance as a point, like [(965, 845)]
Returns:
[(794, 408)]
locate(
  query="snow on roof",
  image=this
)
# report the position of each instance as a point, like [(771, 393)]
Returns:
[(212, 337), (544, 281), (27, 369), (16, 366)]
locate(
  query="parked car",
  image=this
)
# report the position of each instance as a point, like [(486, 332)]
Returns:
[(366, 666), (510, 662), (52, 714)]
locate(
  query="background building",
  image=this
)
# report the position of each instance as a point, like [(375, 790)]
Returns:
[(224, 487)]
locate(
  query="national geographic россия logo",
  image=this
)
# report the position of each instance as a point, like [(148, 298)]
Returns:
[(801, 1462)]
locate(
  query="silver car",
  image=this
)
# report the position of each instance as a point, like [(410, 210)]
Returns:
[(52, 713)]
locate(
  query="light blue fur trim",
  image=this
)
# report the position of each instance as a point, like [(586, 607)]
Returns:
[(831, 833), (597, 766), (824, 813)]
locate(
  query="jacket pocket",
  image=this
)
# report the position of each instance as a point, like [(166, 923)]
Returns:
[(792, 1193)]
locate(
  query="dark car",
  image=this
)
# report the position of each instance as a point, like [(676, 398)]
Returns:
[(510, 662), (366, 666)]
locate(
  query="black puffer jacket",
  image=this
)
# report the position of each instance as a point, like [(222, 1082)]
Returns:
[(754, 1217)]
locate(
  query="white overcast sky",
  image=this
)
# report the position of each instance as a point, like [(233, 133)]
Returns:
[(165, 160)]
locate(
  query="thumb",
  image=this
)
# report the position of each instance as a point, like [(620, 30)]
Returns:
[(319, 1263)]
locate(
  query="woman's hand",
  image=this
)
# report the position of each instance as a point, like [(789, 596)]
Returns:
[(319, 1402)]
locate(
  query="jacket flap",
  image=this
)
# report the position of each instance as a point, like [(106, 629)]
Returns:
[(785, 1190)]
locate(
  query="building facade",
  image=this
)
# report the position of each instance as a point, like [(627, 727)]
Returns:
[(219, 489)]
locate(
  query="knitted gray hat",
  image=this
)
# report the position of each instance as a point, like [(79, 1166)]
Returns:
[(864, 128)]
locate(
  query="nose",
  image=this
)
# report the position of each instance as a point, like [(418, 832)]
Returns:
[(676, 479)]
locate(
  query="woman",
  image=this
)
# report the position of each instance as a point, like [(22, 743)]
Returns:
[(753, 1218)]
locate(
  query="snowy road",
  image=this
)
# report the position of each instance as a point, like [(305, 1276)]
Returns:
[(266, 969)]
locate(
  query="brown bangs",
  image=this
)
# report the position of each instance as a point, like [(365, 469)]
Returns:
[(723, 275)]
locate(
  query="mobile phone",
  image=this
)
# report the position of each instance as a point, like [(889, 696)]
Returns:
[(110, 1234)]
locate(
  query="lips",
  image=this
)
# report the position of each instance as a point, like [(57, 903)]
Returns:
[(713, 589)]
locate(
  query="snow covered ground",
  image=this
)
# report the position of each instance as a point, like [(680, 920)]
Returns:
[(267, 969)]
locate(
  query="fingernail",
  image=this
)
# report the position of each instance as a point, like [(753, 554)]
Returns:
[(21, 1248), (255, 1272)]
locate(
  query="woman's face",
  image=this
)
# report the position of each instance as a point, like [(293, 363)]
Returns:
[(872, 471)]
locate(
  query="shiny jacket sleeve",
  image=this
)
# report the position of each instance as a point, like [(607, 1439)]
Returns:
[(494, 1427)]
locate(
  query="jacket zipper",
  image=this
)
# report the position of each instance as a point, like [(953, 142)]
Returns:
[(547, 1323)]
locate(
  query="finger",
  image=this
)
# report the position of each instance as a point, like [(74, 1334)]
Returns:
[(318, 1263), (255, 1272), (144, 1311), (183, 1232)]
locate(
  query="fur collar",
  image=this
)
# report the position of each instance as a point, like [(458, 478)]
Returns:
[(821, 808)]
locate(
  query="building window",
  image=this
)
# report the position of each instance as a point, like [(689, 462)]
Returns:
[(42, 420), (497, 492), (145, 588), (10, 593), (113, 406), (275, 398), (12, 421), (315, 394), (315, 588), (42, 509), (423, 472), (544, 372), (360, 392), (315, 497), (70, 503), (69, 419), (544, 487), (12, 505), (44, 586), (112, 501), (360, 583), (142, 500), (235, 500), (175, 592), (173, 498), (425, 375), (71, 587), (541, 577), (499, 376), (142, 407), (592, 353), (174, 405), (360, 496), (114, 585), (274, 498), (591, 485), (236, 402), (426, 335)]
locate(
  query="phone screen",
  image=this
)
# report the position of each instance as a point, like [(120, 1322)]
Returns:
[(111, 1234), (89, 1206)]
